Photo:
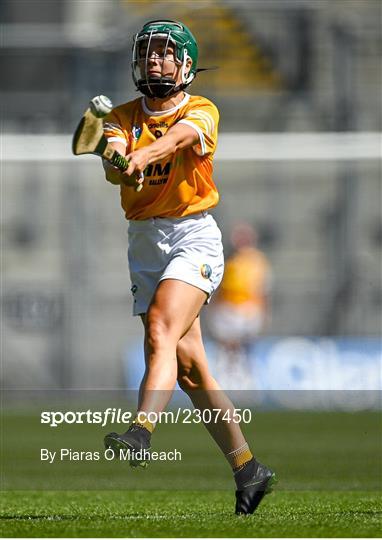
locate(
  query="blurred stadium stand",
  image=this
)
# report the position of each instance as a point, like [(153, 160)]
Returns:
[(284, 66)]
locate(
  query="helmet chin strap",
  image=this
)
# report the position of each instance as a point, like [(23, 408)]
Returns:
[(157, 87)]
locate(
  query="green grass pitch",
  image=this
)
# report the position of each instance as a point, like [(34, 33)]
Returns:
[(189, 514), (328, 466)]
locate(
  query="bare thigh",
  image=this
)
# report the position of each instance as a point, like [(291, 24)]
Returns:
[(172, 312)]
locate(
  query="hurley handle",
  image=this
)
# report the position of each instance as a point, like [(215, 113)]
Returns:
[(122, 163)]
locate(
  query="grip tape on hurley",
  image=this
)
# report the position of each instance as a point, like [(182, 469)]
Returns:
[(119, 161)]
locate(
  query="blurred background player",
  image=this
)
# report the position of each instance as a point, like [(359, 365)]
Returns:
[(175, 251), (241, 308)]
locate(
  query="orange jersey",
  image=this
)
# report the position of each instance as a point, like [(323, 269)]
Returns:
[(246, 278), (180, 184)]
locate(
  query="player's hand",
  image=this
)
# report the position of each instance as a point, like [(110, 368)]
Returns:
[(112, 173), (133, 180), (138, 161), (133, 176)]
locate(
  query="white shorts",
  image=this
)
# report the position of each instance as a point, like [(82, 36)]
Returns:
[(188, 249)]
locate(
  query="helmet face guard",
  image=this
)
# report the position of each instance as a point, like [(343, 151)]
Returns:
[(171, 33)]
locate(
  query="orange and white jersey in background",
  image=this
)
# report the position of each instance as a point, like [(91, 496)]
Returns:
[(247, 279), (180, 184)]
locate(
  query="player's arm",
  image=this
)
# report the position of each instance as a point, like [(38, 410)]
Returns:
[(116, 138), (178, 137), (113, 174)]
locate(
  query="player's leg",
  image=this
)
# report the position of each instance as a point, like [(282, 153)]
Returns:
[(253, 480), (174, 307), (195, 379)]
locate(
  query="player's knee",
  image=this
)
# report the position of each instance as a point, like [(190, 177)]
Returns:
[(155, 335), (157, 330)]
